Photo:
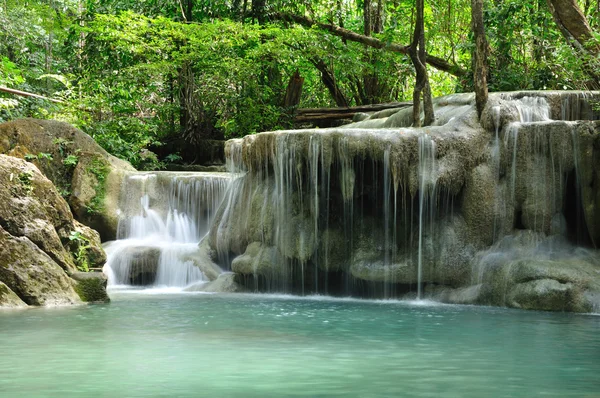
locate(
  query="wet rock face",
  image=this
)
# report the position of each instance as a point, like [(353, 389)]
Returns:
[(41, 244), (84, 173), (141, 265), (531, 271), (377, 203)]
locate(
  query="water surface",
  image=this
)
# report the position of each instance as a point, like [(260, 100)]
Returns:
[(201, 345)]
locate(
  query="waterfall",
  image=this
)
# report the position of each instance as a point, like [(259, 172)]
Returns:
[(162, 219), (381, 209)]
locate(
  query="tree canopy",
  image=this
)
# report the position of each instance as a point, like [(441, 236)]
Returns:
[(135, 75)]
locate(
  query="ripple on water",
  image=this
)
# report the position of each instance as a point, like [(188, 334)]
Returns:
[(164, 343)]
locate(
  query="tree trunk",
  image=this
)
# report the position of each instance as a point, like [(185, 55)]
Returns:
[(293, 91), (189, 7), (577, 31), (258, 10), (367, 17), (370, 87), (573, 24), (480, 58), (436, 62), (417, 55), (341, 19), (27, 94), (329, 82)]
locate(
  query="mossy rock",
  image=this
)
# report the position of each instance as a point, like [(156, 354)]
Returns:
[(91, 287)]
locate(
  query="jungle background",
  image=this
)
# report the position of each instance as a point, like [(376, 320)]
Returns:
[(154, 81)]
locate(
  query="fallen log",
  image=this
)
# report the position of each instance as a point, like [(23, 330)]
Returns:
[(321, 114)]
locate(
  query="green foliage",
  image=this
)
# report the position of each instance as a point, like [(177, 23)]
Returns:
[(99, 169), (63, 145), (25, 179), (135, 74), (44, 156), (71, 160), (10, 75), (40, 156), (528, 51), (82, 245), (31, 45), (173, 158)]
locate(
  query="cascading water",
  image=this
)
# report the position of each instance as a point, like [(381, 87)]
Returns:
[(427, 181), (530, 110), (163, 217), (380, 209)]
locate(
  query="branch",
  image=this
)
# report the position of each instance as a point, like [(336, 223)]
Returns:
[(26, 94), (436, 62), (32, 95)]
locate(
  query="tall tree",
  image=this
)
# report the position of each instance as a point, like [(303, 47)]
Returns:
[(480, 59), (417, 56)]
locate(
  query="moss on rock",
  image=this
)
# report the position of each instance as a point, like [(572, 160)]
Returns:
[(91, 287)]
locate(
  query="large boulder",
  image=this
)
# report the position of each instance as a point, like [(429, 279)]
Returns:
[(32, 274), (91, 286), (84, 173), (41, 244)]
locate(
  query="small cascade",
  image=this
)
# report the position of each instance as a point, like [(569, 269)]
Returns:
[(163, 218), (579, 106), (530, 110)]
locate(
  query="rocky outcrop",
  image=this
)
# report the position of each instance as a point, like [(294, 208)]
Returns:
[(84, 173), (41, 245)]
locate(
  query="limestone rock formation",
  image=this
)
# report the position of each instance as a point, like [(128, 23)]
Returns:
[(85, 174), (257, 260), (462, 207)]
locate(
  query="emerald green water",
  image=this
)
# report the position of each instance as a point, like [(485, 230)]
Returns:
[(199, 345)]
